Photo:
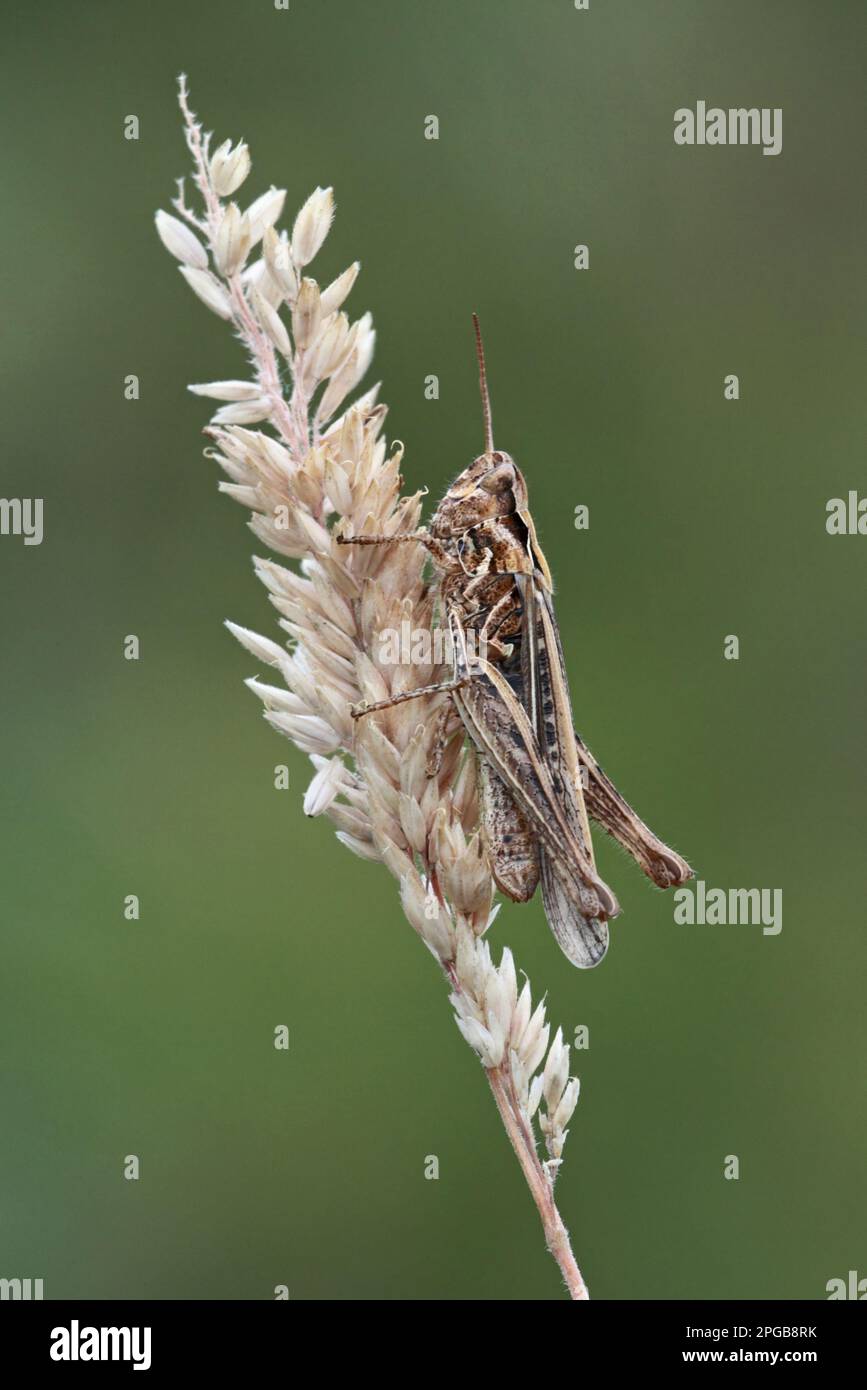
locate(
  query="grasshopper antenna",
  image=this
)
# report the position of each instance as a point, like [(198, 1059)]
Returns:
[(483, 384)]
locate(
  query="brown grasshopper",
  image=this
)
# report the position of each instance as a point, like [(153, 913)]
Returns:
[(538, 780)]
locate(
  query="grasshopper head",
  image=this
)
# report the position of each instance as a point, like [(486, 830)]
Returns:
[(491, 488), (487, 505)]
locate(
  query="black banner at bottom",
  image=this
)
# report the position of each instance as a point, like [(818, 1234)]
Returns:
[(154, 1338)]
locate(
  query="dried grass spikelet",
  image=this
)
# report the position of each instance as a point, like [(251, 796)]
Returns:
[(308, 464)]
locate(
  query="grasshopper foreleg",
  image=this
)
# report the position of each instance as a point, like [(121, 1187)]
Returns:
[(421, 537), (441, 687)]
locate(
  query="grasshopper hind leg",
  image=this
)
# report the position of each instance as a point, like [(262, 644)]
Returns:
[(512, 848)]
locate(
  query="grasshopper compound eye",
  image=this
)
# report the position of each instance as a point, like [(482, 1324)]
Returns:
[(497, 478)]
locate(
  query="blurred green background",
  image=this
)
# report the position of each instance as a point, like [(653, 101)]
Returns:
[(154, 1037)]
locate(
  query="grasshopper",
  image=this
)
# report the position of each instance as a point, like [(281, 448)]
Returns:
[(538, 780)]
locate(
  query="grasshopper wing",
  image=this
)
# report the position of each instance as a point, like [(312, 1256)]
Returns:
[(577, 901), (546, 698)]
